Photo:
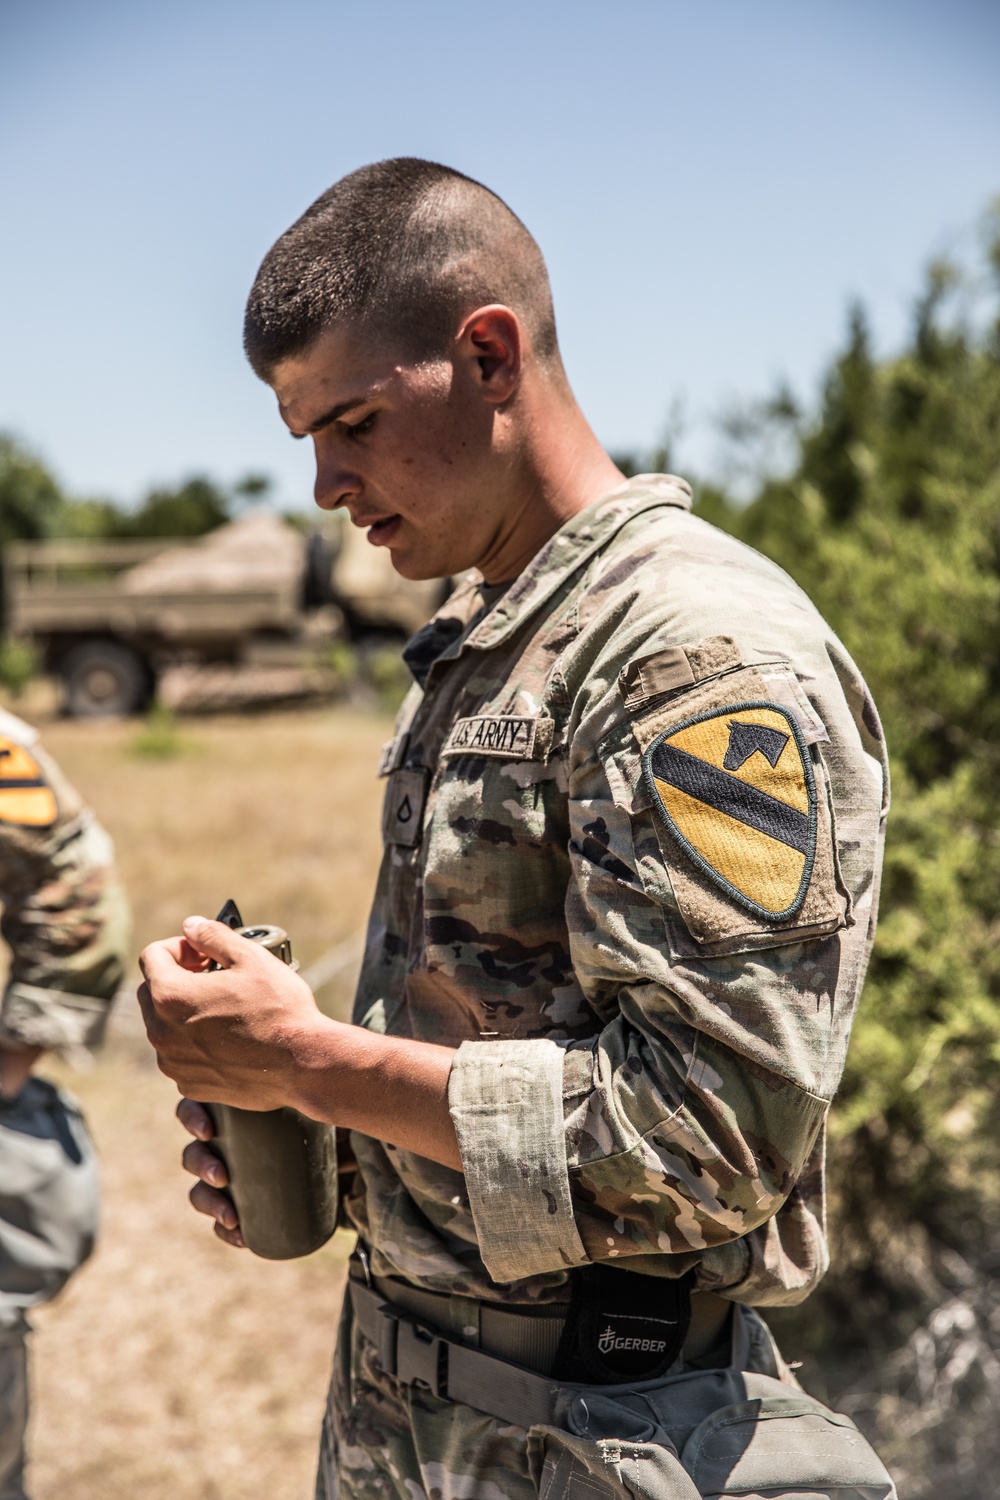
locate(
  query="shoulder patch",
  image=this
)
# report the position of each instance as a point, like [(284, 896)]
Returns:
[(736, 789), (25, 796)]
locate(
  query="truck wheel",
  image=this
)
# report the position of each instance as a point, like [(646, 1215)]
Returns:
[(102, 679)]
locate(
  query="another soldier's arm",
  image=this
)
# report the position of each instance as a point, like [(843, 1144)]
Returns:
[(64, 921)]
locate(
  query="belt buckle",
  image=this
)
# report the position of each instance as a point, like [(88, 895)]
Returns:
[(413, 1352)]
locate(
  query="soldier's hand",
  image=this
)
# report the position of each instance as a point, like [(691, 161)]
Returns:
[(200, 1160), (250, 1034), (230, 1035)]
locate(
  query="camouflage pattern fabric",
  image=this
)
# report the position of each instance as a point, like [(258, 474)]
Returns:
[(13, 1413), (650, 985), (381, 1439)]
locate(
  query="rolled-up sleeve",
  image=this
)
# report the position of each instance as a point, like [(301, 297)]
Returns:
[(506, 1101)]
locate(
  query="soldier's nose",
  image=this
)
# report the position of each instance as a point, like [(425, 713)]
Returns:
[(334, 487)]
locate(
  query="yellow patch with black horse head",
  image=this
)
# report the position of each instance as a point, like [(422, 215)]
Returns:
[(735, 787), (25, 796)]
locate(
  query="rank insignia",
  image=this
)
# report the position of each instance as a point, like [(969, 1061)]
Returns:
[(736, 789), (403, 808), (25, 798)]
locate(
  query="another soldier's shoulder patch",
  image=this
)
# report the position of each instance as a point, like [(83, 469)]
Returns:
[(25, 796), (735, 787)]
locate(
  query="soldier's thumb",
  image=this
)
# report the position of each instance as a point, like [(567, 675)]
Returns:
[(213, 940)]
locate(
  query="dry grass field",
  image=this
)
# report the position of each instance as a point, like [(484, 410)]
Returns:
[(173, 1366)]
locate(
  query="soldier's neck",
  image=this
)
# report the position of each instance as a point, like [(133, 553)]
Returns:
[(561, 469)]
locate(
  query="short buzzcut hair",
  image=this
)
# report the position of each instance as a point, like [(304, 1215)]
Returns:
[(403, 249)]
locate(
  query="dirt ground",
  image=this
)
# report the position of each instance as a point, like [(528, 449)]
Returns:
[(173, 1366)]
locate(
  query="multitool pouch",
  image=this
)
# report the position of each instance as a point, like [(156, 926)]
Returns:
[(723, 1434), (615, 1334)]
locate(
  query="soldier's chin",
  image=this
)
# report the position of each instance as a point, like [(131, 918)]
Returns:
[(415, 569)]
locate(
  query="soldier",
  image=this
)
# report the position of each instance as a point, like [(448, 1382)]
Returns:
[(65, 922), (633, 822)]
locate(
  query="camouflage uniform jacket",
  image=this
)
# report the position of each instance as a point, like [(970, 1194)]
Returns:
[(64, 919), (633, 825)]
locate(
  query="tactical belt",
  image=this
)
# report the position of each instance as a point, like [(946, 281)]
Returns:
[(404, 1323), (411, 1351)]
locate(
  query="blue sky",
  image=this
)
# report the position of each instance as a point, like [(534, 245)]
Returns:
[(710, 183)]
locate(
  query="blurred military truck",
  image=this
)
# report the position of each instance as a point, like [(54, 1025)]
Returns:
[(110, 618)]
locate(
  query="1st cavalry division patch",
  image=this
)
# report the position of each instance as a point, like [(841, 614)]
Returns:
[(25, 798), (736, 789)]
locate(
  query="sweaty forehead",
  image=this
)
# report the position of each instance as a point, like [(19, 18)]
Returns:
[(338, 373), (329, 374)]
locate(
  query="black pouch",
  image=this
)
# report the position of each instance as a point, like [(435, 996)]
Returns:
[(623, 1327)]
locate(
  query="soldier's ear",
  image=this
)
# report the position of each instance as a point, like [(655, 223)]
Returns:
[(490, 345)]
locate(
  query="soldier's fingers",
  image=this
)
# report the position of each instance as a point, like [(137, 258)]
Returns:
[(170, 960), (169, 948), (146, 1007), (196, 1119), (201, 1161), (164, 969), (156, 1029), (215, 941), (190, 958), (183, 954), (215, 1205), (231, 1237)]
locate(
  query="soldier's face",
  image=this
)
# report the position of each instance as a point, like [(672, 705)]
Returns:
[(414, 453)]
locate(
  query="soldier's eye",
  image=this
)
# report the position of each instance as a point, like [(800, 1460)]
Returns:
[(360, 428)]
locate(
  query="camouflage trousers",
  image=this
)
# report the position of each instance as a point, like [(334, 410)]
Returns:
[(13, 1412), (385, 1441)]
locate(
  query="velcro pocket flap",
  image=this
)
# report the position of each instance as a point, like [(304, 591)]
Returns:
[(791, 1446)]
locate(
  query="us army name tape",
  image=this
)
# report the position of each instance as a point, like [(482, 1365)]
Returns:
[(505, 735)]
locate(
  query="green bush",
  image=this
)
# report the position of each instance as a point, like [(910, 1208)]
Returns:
[(340, 658), (30, 498), (389, 676), (19, 662), (159, 738)]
